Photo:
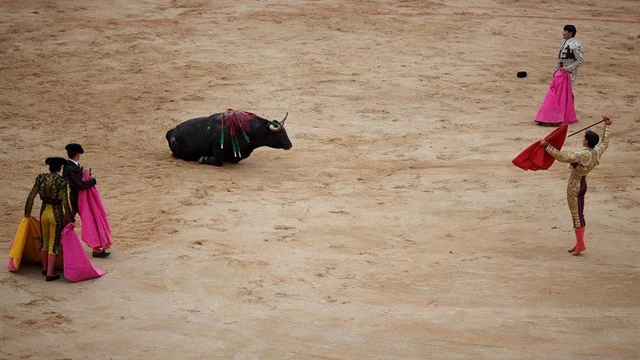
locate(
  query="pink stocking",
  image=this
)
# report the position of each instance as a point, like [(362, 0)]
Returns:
[(43, 256), (51, 264)]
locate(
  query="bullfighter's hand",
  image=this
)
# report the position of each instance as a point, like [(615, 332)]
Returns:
[(544, 143), (607, 121)]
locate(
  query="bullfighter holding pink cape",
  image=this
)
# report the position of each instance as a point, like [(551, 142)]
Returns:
[(95, 231), (558, 104), (45, 239), (73, 261)]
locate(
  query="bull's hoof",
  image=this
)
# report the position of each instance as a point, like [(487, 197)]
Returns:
[(209, 160)]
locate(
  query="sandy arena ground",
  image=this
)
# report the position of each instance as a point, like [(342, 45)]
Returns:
[(396, 227)]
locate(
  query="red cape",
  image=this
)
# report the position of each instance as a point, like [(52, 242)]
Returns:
[(535, 157)]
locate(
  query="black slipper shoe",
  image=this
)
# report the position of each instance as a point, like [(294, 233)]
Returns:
[(102, 254), (53, 278)]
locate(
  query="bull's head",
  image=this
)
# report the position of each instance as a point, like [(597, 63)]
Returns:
[(279, 138)]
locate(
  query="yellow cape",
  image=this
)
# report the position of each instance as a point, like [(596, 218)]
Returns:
[(26, 244)]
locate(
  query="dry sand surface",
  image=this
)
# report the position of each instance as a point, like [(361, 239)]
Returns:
[(396, 227)]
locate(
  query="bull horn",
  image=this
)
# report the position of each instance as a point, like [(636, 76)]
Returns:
[(277, 125), (273, 127)]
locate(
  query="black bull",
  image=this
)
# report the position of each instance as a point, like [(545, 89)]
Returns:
[(226, 137)]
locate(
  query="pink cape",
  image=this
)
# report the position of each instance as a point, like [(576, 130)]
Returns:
[(76, 266), (95, 230), (557, 106), (535, 157)]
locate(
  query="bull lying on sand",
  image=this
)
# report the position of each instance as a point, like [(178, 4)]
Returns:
[(229, 136)]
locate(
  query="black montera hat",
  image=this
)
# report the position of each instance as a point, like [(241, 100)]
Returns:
[(521, 74), (55, 161), (76, 148)]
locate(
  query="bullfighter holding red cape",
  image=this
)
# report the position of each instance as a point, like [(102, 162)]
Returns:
[(541, 155)]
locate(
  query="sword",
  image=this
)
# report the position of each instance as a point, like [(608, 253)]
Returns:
[(592, 125)]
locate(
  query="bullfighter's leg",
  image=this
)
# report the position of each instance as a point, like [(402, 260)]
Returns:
[(572, 200), (581, 193), (44, 238), (51, 231), (580, 246)]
